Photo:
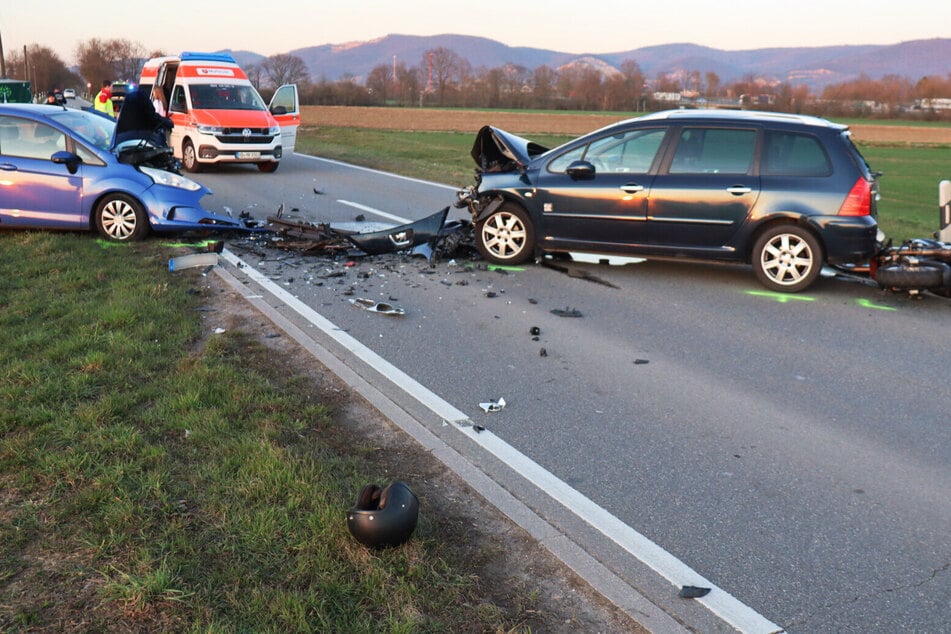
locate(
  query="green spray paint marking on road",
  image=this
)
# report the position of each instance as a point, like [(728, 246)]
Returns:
[(782, 298), (867, 303)]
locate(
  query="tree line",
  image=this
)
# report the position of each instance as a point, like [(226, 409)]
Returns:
[(444, 78)]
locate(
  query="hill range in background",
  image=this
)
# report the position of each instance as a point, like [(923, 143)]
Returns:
[(815, 67)]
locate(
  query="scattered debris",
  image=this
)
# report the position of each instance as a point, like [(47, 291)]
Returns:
[(535, 331), (641, 361), (693, 592), (377, 307), (543, 352), (567, 312), (493, 406), (192, 260)]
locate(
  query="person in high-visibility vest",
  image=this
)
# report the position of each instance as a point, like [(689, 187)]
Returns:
[(103, 101)]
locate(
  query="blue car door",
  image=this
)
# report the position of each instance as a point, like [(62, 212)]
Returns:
[(35, 191)]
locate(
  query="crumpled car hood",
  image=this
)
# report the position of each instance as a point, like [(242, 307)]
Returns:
[(496, 150)]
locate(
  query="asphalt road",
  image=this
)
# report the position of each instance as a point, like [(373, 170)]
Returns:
[(795, 452)]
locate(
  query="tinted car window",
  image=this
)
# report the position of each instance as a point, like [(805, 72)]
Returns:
[(791, 154), (714, 151), (632, 151), (560, 164)]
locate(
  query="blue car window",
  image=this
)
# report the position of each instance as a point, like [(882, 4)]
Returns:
[(30, 139)]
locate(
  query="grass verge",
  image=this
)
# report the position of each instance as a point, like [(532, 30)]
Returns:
[(157, 477)]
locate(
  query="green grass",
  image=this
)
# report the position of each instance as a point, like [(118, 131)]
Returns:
[(156, 478), (909, 187)]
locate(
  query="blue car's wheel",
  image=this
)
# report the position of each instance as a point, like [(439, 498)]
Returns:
[(120, 218)]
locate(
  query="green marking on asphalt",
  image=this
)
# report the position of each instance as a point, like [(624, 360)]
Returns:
[(782, 298), (498, 267), (867, 303), (109, 244)]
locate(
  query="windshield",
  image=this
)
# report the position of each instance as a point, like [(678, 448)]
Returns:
[(225, 97), (93, 129)]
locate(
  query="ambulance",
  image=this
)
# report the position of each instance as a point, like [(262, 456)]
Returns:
[(219, 117)]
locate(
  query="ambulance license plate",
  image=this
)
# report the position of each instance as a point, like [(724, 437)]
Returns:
[(248, 155)]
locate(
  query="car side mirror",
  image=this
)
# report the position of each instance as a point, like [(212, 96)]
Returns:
[(581, 170), (279, 110), (69, 159)]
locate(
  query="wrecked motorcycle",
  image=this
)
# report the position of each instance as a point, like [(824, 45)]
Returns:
[(921, 264)]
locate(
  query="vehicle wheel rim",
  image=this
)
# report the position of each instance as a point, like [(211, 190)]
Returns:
[(118, 219), (504, 235), (188, 156), (787, 259)]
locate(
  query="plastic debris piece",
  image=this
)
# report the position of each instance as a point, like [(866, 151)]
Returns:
[(493, 406), (567, 312), (641, 361), (192, 260), (543, 352), (377, 307), (693, 592), (535, 331)]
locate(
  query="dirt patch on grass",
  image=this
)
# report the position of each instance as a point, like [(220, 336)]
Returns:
[(516, 576), (431, 119)]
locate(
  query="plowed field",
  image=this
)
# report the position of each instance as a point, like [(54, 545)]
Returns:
[(555, 123)]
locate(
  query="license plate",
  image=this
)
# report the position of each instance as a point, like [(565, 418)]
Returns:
[(248, 155)]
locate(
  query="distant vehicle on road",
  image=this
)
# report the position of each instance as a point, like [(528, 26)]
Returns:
[(69, 93)]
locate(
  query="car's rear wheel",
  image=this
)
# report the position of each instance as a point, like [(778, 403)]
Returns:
[(268, 166), (190, 157), (121, 218), (787, 258), (506, 236)]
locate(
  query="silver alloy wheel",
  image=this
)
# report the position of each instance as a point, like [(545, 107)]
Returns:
[(118, 219), (504, 235), (190, 157), (787, 259)]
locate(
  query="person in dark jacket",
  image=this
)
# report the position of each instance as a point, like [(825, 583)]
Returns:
[(138, 120)]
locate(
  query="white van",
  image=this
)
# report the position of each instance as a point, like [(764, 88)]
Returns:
[(219, 117)]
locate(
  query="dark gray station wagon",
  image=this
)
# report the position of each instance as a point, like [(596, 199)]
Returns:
[(785, 193)]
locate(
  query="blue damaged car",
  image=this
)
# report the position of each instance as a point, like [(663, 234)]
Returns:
[(61, 168)]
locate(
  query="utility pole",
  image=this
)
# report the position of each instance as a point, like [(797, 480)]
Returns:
[(3, 61)]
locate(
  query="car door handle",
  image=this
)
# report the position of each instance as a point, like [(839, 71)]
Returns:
[(8, 167), (739, 190), (632, 188)]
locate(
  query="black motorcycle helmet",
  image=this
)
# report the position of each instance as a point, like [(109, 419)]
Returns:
[(384, 517)]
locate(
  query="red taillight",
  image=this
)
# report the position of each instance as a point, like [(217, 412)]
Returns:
[(859, 200)]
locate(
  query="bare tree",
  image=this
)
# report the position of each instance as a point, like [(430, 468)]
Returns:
[(42, 68), (443, 67), (284, 69), (127, 58)]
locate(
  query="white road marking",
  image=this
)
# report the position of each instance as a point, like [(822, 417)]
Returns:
[(387, 174), (397, 219)]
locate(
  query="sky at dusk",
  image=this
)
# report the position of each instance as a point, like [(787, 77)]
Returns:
[(596, 26)]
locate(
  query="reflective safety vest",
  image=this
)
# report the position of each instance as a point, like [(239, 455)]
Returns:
[(103, 102)]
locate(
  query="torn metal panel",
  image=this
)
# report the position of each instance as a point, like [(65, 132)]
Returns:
[(401, 238)]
